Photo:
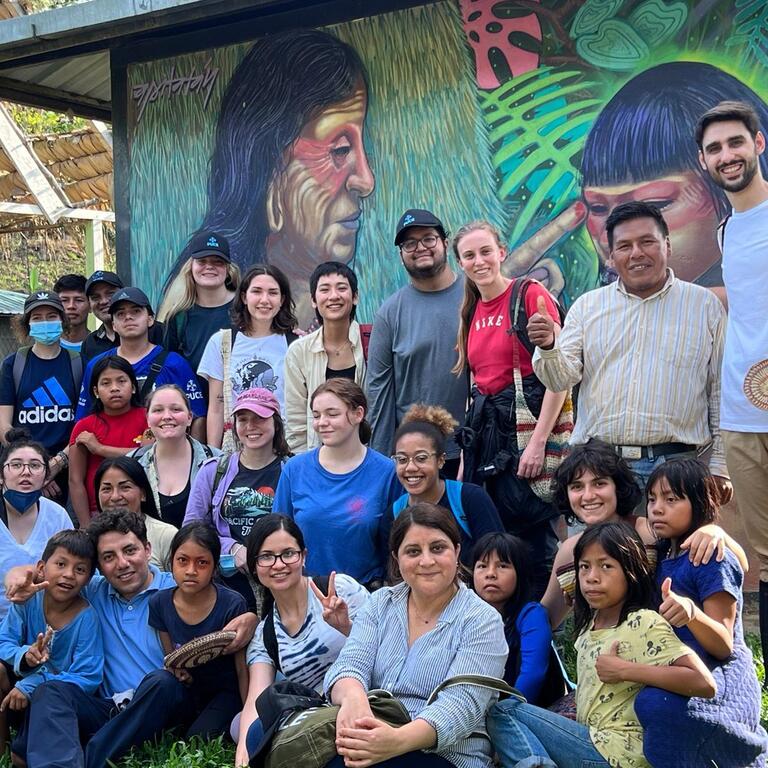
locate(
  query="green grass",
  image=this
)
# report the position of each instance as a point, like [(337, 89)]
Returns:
[(170, 753)]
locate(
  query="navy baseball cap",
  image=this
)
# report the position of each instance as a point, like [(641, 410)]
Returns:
[(102, 276), (43, 299), (418, 217), (130, 294), (209, 244)]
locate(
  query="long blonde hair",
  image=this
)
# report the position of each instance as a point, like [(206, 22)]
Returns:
[(471, 294), (183, 299)]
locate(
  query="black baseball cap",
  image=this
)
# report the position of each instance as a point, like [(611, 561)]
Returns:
[(209, 243), (43, 299), (102, 276), (418, 217), (133, 295)]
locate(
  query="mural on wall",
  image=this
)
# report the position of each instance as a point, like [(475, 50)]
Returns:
[(537, 115)]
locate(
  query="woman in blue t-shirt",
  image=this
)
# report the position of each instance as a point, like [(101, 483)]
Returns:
[(419, 457), (339, 492)]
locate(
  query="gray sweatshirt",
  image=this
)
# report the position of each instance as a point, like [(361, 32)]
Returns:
[(412, 351)]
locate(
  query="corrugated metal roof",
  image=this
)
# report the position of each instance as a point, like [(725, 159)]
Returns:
[(11, 302)]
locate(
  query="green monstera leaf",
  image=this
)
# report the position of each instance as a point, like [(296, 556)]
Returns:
[(592, 14)]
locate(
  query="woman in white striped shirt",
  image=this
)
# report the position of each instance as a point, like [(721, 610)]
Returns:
[(410, 638)]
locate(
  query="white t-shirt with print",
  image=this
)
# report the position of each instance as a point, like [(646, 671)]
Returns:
[(253, 363), (306, 656), (745, 359)]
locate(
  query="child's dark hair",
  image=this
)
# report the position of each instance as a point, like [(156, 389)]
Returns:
[(116, 363), (432, 421), (201, 534), (116, 521), (262, 529), (622, 543), (689, 479), (513, 550), (76, 543), (131, 468), (603, 461), (20, 438)]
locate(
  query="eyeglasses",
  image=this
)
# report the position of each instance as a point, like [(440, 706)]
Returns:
[(428, 241), (35, 467), (419, 459), (268, 559)]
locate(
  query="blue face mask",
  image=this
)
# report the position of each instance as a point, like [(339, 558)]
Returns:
[(22, 501), (46, 331)]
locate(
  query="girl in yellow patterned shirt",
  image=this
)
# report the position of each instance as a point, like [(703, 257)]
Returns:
[(622, 644)]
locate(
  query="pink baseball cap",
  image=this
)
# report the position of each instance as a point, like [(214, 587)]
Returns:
[(262, 402)]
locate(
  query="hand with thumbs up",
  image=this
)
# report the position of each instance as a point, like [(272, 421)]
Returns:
[(610, 667), (679, 611), (335, 611), (541, 326), (39, 652)]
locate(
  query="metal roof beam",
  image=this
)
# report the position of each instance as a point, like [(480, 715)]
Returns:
[(34, 95)]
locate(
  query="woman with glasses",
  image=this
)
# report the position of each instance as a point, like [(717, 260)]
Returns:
[(304, 627), (339, 492), (232, 491), (419, 458), (27, 518)]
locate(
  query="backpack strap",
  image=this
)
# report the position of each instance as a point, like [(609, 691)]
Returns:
[(19, 363), (76, 366), (154, 370), (399, 505), (481, 681), (221, 469), (453, 489), (270, 638), (518, 316), (365, 338)]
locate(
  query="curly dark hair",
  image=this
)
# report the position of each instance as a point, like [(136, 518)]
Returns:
[(600, 459)]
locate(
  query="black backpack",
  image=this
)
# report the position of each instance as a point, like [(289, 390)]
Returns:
[(20, 362)]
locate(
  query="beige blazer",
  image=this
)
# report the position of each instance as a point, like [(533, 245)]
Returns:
[(305, 364)]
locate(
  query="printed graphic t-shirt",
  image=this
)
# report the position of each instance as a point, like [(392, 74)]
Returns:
[(175, 370), (46, 399), (490, 347), (124, 431), (250, 496), (253, 363)]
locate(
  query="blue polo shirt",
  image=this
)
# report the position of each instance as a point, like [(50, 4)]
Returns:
[(132, 648)]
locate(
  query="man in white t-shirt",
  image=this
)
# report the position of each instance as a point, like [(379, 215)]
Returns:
[(730, 144)]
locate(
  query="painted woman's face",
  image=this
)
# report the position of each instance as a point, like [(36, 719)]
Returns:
[(686, 203), (314, 205)]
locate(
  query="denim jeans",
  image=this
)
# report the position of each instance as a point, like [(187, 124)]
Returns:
[(525, 736), (642, 468)]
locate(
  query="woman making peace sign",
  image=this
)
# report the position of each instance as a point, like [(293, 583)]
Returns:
[(304, 626)]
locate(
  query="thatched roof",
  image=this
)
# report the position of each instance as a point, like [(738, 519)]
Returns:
[(81, 162)]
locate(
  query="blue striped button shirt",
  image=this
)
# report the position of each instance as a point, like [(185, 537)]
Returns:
[(467, 639)]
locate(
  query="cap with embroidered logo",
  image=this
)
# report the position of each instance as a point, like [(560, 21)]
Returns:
[(260, 401), (418, 217), (102, 276), (43, 299), (132, 295), (209, 243)]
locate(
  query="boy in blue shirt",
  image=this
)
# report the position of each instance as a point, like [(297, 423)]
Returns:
[(132, 318), (55, 635)]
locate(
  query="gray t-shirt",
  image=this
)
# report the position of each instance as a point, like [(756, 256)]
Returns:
[(412, 351)]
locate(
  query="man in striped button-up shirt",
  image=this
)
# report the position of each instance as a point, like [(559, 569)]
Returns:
[(647, 351)]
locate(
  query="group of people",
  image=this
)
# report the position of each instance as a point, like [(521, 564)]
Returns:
[(378, 507)]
